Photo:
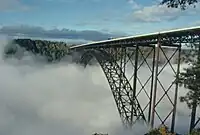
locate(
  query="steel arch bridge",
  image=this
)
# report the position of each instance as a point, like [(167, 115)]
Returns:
[(148, 50)]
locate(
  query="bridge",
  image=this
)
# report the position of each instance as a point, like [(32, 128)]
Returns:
[(142, 50)]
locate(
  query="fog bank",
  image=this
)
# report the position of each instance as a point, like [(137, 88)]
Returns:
[(64, 99)]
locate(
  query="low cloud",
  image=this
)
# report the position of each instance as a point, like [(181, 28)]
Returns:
[(66, 99), (31, 31), (42, 99)]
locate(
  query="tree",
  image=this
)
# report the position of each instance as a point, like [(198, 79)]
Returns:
[(190, 79), (179, 3)]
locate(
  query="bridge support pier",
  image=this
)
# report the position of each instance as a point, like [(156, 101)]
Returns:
[(158, 85), (155, 83)]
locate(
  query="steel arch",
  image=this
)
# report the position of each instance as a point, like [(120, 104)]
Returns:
[(127, 104)]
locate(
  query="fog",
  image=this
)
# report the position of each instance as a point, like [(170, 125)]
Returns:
[(64, 99)]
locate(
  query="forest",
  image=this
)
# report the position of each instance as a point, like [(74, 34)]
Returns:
[(51, 50)]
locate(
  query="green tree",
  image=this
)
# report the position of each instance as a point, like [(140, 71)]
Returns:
[(179, 3), (190, 79)]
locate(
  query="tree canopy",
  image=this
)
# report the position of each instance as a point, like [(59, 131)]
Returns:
[(179, 3), (190, 79), (52, 51)]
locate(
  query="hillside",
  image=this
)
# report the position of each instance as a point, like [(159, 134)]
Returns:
[(52, 51)]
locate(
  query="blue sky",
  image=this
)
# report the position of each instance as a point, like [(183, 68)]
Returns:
[(117, 17)]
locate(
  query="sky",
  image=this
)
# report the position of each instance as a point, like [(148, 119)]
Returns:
[(90, 19)]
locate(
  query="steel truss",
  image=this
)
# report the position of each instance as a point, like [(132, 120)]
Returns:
[(113, 62), (127, 104), (137, 58), (159, 85), (114, 57), (155, 70)]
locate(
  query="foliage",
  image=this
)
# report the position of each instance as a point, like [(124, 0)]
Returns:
[(163, 130), (52, 51), (179, 3), (190, 78)]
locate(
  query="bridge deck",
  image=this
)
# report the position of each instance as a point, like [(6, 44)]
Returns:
[(150, 38)]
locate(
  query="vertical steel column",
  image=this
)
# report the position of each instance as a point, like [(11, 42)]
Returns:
[(120, 76), (152, 81), (176, 90), (135, 70), (121, 65), (135, 78), (124, 60), (155, 83)]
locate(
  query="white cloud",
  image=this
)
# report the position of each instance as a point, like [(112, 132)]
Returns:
[(12, 5), (158, 13)]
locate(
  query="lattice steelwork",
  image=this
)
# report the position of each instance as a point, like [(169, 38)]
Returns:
[(164, 90), (148, 51), (136, 57), (128, 106)]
